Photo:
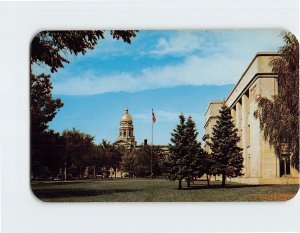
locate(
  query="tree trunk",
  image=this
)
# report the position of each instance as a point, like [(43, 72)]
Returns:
[(95, 172), (115, 172), (179, 184), (207, 177), (223, 180), (188, 182), (65, 172)]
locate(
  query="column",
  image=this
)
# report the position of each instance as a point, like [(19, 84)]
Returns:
[(233, 114), (245, 110), (238, 121)]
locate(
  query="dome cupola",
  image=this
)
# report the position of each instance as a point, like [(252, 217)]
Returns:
[(126, 116)]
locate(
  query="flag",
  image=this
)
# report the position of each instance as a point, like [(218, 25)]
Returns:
[(153, 117)]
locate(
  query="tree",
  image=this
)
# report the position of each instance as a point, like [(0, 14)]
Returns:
[(127, 163), (184, 161), (45, 144), (195, 155), (46, 155), (142, 161), (52, 47), (79, 148), (43, 107), (113, 155), (227, 156), (279, 116), (208, 167)]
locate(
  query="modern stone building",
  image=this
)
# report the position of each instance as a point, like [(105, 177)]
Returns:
[(261, 165)]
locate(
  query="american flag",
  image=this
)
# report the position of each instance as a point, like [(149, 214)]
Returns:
[(153, 117)]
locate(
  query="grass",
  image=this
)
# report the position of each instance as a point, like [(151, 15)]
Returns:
[(157, 190)]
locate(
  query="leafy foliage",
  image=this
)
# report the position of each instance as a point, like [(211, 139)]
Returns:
[(279, 117), (127, 163), (51, 47), (79, 148), (46, 145), (138, 161), (43, 107), (227, 156), (111, 155), (142, 161), (47, 153)]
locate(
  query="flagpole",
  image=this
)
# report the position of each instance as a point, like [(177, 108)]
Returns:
[(151, 150)]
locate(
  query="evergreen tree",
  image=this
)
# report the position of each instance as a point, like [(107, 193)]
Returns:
[(185, 157), (195, 156), (227, 156), (208, 167)]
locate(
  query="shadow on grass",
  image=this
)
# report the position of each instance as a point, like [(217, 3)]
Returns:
[(228, 186), (53, 193)]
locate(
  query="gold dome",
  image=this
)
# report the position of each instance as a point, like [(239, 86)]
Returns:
[(126, 116)]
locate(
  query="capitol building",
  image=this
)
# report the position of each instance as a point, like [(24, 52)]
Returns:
[(126, 132)]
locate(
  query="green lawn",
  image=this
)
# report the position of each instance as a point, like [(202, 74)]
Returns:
[(157, 190)]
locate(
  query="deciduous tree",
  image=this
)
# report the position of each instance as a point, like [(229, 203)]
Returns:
[(52, 47), (279, 116), (43, 106), (79, 148)]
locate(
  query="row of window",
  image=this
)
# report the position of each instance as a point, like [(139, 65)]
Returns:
[(123, 133)]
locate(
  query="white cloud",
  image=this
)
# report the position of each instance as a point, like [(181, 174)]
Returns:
[(181, 44), (195, 70), (225, 58)]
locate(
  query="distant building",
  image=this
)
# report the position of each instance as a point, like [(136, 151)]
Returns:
[(261, 164), (126, 139), (126, 132)]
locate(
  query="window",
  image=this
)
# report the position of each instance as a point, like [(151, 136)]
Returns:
[(284, 165)]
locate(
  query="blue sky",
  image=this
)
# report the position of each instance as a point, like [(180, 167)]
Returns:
[(169, 71)]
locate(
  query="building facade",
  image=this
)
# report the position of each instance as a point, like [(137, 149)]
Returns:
[(261, 164), (126, 136)]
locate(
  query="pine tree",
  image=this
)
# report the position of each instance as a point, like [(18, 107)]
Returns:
[(195, 154), (227, 155), (208, 166), (175, 169), (185, 157)]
